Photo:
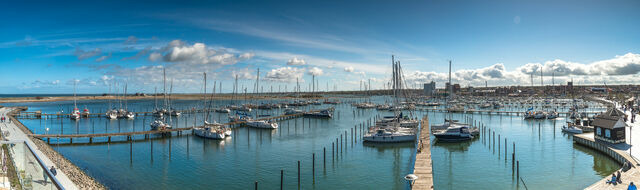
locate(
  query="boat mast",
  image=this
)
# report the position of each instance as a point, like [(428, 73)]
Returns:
[(155, 96), (75, 106), (164, 84), (204, 97), (125, 98)]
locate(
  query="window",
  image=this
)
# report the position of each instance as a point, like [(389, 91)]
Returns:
[(599, 131), (607, 133)]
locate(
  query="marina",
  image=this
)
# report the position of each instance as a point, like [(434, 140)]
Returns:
[(320, 95)]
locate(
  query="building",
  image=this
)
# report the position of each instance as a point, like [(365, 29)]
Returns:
[(610, 126), (429, 88)]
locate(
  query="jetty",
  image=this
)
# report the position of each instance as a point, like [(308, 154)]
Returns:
[(423, 167), (147, 134)]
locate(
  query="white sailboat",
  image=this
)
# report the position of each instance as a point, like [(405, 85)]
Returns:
[(75, 115)]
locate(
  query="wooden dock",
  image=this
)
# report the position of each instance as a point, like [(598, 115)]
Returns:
[(492, 112), (147, 134), (423, 167)]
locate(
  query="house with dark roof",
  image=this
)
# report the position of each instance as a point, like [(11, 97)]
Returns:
[(610, 126)]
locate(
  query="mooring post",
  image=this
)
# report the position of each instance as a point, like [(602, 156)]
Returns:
[(324, 157), (256, 185), (313, 167), (281, 179), (518, 170), (298, 174)]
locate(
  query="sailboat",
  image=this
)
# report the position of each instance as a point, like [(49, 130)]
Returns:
[(75, 115), (127, 114), (392, 129), (172, 111), (212, 130), (159, 123), (111, 113)]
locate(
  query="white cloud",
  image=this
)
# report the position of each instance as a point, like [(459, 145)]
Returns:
[(296, 61), (349, 69), (285, 74), (198, 53), (155, 56), (315, 71)]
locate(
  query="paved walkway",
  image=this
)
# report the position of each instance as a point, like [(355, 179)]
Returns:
[(15, 134)]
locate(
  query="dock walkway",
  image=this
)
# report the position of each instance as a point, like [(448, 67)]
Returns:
[(619, 152), (129, 135), (423, 167)]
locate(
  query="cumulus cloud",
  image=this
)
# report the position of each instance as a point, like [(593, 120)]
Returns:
[(243, 73), (616, 70), (82, 54), (104, 57), (296, 61), (285, 74), (178, 51), (349, 69), (155, 56), (315, 71)]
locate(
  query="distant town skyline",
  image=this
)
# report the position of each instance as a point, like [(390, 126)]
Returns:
[(342, 43)]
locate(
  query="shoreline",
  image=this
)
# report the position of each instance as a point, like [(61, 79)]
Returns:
[(81, 179), (178, 97)]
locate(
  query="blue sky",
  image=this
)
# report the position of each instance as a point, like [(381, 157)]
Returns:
[(46, 46)]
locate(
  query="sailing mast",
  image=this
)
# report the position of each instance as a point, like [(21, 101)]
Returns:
[(204, 98)]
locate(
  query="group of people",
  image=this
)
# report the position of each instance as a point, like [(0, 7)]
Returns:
[(616, 178), (3, 119)]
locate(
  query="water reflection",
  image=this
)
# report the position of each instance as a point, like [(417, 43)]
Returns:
[(601, 163)]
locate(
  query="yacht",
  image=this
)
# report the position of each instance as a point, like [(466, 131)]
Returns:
[(454, 133), (540, 115), (327, 113), (129, 115), (75, 115), (159, 125), (290, 111), (112, 114), (571, 129), (552, 115), (262, 124), (85, 112), (383, 135), (212, 131)]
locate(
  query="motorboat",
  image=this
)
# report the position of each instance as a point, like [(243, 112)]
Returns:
[(571, 129), (209, 132), (262, 124), (529, 115), (159, 125), (290, 111), (129, 115), (327, 113), (552, 115), (383, 135), (540, 115), (85, 112), (454, 133)]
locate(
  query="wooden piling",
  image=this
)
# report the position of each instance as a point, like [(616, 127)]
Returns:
[(298, 174)]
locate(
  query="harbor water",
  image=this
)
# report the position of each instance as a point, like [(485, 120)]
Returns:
[(548, 158)]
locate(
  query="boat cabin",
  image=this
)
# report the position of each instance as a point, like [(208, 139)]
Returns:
[(610, 126)]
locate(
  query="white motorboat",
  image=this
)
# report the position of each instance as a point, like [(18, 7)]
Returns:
[(454, 133), (382, 135), (572, 129), (262, 124), (159, 125)]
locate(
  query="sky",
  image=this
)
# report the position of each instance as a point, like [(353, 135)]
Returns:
[(50, 47)]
